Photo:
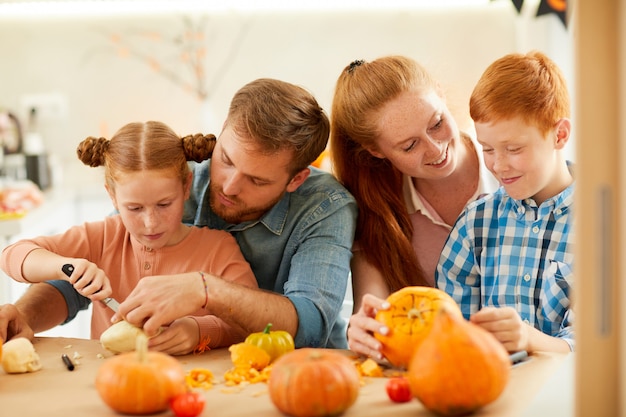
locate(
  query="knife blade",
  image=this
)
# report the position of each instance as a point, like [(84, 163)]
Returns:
[(109, 301)]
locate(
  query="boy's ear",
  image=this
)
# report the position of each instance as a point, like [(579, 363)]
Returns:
[(563, 130)]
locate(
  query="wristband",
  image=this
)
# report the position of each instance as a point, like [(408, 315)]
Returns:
[(206, 290)]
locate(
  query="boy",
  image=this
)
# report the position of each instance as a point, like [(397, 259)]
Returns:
[(508, 259)]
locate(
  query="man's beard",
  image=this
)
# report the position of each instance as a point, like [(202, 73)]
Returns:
[(240, 213)]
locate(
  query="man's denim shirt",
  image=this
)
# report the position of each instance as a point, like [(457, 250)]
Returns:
[(300, 248)]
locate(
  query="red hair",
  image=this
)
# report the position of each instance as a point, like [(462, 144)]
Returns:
[(384, 228)]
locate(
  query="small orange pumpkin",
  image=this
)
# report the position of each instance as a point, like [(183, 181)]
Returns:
[(313, 382), (459, 368), (140, 382), (409, 319)]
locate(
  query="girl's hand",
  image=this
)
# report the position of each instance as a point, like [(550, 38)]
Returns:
[(179, 338), (362, 327), (89, 280)]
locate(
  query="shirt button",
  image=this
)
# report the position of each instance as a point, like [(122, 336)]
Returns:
[(558, 212), (146, 265), (526, 321), (535, 229), (148, 249), (527, 277)]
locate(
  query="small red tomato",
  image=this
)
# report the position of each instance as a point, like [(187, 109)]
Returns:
[(398, 389), (189, 404)]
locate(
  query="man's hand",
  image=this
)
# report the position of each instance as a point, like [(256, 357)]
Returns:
[(13, 324)]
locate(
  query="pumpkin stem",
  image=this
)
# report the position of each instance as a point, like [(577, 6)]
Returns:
[(267, 328), (141, 346), (415, 313)]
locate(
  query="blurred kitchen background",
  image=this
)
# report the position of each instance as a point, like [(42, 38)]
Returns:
[(73, 69)]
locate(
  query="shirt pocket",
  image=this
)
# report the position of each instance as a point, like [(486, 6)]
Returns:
[(554, 297)]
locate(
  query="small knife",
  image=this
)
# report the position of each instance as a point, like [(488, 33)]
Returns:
[(112, 303), (518, 357), (109, 301)]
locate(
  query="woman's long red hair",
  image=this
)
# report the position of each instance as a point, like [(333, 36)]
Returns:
[(384, 229)]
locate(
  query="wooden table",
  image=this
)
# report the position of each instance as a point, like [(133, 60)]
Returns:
[(55, 391)]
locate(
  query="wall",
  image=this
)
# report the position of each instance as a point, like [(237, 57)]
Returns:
[(107, 71), (104, 72)]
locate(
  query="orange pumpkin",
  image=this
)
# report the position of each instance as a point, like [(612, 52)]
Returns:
[(313, 382), (409, 319), (140, 382), (459, 368)]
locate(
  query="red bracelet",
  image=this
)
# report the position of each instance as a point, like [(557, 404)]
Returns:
[(206, 289)]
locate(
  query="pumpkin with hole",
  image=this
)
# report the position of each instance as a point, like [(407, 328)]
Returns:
[(409, 319), (313, 382), (459, 368), (140, 382)]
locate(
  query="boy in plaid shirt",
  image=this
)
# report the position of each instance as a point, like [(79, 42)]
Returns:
[(508, 260)]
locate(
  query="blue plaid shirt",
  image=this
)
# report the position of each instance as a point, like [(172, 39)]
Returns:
[(506, 252)]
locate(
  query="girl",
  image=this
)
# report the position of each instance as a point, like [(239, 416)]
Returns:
[(147, 178)]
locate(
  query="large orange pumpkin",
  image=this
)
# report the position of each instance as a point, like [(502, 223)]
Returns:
[(312, 382), (459, 368), (140, 382), (409, 319)]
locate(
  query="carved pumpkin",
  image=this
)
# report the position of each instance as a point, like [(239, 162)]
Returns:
[(459, 368), (409, 319), (312, 382), (140, 382)]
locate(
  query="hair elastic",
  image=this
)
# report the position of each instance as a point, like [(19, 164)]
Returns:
[(354, 64)]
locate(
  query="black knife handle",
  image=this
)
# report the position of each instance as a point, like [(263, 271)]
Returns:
[(68, 269)]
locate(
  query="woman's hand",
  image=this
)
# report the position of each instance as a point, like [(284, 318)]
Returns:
[(362, 327), (179, 338)]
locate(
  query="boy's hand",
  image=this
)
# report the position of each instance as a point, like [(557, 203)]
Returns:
[(505, 324)]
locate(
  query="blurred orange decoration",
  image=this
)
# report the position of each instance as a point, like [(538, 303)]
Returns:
[(16, 199), (323, 161)]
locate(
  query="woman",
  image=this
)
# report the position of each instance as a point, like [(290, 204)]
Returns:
[(397, 149), (148, 180)]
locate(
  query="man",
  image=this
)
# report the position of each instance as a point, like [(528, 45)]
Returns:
[(294, 224)]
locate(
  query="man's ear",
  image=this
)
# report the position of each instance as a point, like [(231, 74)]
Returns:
[(298, 179), (563, 132)]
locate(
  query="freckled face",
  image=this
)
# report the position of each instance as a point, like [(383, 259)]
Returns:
[(419, 136), (151, 206), (523, 160)]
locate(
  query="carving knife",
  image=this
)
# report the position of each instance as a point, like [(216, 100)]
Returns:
[(109, 301)]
